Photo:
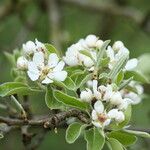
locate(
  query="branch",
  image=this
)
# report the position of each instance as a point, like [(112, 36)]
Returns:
[(48, 122)]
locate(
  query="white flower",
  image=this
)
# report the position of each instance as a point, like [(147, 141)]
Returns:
[(22, 63), (99, 43), (29, 48), (124, 104), (131, 64), (117, 115), (116, 98), (99, 117), (46, 73), (96, 93), (91, 40), (86, 95), (135, 98), (106, 92), (39, 46), (118, 45)]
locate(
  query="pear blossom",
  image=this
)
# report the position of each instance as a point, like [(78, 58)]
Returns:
[(117, 115), (86, 95), (46, 72), (100, 118), (22, 63), (131, 64), (135, 98), (116, 98), (73, 56), (29, 48)]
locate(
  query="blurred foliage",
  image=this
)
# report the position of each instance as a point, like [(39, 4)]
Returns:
[(76, 24)]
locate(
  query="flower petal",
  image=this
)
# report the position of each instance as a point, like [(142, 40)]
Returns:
[(94, 115), (131, 64), (99, 107), (60, 75), (47, 81), (97, 124), (53, 60), (33, 76), (59, 66), (38, 59)]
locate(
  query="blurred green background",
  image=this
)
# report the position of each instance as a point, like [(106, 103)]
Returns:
[(46, 20)]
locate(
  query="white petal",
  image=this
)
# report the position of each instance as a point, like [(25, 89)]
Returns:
[(38, 59), (97, 124), (94, 115), (131, 64), (33, 76), (112, 113), (95, 84), (107, 122), (120, 117), (29, 48), (33, 68), (86, 95), (118, 45), (47, 81), (22, 63), (91, 40), (99, 107), (59, 67), (53, 60), (116, 98), (110, 53), (60, 75)]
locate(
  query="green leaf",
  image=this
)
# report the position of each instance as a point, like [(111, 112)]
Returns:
[(123, 137), (82, 79), (101, 53), (138, 133), (125, 83), (136, 76), (120, 77), (50, 100), (51, 49), (95, 139), (73, 132), (68, 83), (11, 88), (105, 61), (115, 144), (70, 101), (118, 66)]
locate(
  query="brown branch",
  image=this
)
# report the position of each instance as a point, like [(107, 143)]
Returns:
[(48, 122)]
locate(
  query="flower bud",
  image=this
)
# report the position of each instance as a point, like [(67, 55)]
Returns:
[(22, 63), (99, 43), (116, 98), (29, 48), (118, 45), (120, 117), (86, 95), (91, 40)]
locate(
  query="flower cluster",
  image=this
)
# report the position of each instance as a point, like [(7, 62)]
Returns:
[(107, 100), (111, 97), (75, 57), (39, 65)]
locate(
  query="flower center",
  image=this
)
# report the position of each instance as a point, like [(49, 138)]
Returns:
[(102, 118)]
